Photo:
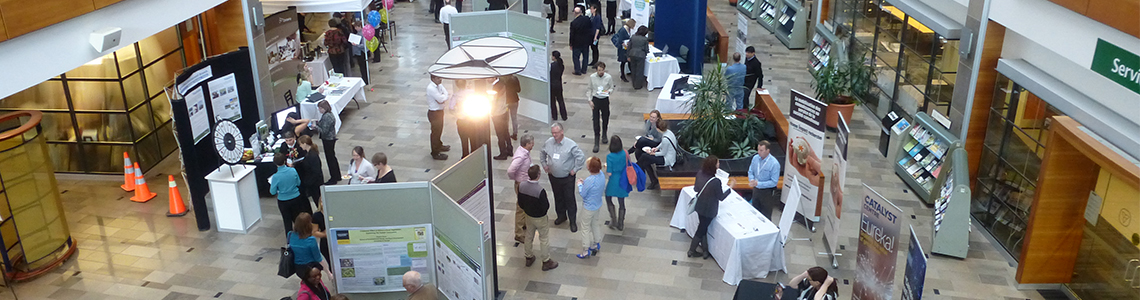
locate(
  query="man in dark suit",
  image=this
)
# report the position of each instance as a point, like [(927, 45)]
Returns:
[(754, 76), (581, 36), (496, 4)]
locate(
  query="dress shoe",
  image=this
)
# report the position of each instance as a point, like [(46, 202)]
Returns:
[(691, 254), (574, 227), (549, 264), (445, 148), (654, 186), (708, 254), (515, 136), (559, 221), (530, 261), (596, 147), (501, 157), (624, 79), (439, 156)]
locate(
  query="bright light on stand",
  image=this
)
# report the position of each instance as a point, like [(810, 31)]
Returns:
[(476, 106)]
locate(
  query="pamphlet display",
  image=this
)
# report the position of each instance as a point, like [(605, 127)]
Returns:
[(199, 117), (460, 277), (478, 204), (224, 98), (952, 209), (783, 18), (374, 259), (925, 149), (749, 9), (879, 229), (832, 208), (915, 277), (824, 46), (805, 144)]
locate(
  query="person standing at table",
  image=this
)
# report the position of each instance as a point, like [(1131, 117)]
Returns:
[(638, 50), (615, 168), (611, 15), (734, 75), (563, 10), (463, 123), (557, 102), (598, 29), (336, 42), (709, 195), (763, 174), (286, 185), (444, 16), (621, 41), (532, 200), (327, 127), (561, 158), (518, 172), (581, 35), (598, 95), (360, 51), (500, 114), (591, 189), (755, 75), (436, 96)]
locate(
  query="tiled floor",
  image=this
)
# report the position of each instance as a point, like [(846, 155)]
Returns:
[(131, 250)]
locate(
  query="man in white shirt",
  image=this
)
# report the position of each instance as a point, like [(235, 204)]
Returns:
[(436, 97), (445, 18), (598, 94)]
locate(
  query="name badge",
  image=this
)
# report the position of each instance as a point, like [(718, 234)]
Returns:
[(557, 156)]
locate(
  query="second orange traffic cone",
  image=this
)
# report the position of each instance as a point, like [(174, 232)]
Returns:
[(142, 192), (128, 174), (177, 208)]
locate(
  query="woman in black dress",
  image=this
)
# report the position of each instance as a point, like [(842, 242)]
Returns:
[(384, 173)]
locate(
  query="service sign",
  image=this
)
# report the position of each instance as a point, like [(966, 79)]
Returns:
[(1117, 64)]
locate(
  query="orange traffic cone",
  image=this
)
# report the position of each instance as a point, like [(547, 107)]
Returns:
[(142, 192), (128, 174), (177, 208)]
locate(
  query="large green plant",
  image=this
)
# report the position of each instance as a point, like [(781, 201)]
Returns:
[(843, 82), (713, 127)]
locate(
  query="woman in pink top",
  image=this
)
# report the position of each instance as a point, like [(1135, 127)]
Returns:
[(311, 286)]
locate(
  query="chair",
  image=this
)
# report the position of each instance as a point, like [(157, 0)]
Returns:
[(682, 55)]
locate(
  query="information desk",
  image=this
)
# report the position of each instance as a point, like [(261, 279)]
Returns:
[(338, 94), (234, 193), (658, 69), (743, 241), (667, 104)]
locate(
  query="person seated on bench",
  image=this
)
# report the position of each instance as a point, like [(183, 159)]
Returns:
[(651, 138), (665, 154)]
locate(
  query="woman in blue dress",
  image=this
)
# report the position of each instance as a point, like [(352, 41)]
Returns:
[(615, 167)]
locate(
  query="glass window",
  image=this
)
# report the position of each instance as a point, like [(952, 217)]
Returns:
[(161, 73), (910, 98), (96, 95), (106, 158), (128, 60), (103, 67), (58, 127), (915, 68), (141, 121), (886, 77), (134, 88), (159, 44), (166, 140), (104, 127), (66, 157), (161, 107), (46, 95), (148, 152)]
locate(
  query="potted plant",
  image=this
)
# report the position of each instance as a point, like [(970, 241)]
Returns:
[(841, 85), (712, 127)]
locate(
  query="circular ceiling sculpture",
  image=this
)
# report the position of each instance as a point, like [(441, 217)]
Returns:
[(481, 58)]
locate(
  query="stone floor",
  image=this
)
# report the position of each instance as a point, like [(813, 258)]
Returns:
[(131, 250)]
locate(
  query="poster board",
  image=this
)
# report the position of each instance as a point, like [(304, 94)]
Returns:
[(915, 278), (640, 12), (530, 31), (741, 41), (461, 275), (805, 146), (788, 214), (199, 117), (224, 98), (833, 207), (879, 229), (283, 52), (374, 259)]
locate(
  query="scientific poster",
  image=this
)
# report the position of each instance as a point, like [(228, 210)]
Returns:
[(832, 208), (460, 277), (805, 145), (640, 12), (477, 202), (224, 97), (915, 277), (199, 117), (742, 22), (374, 259), (879, 228)]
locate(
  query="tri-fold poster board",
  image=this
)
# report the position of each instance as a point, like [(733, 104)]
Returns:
[(378, 232)]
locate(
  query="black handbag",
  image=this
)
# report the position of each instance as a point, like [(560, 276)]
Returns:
[(285, 267)]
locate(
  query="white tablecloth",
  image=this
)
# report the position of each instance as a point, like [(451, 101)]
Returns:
[(677, 105), (352, 87), (743, 241), (658, 69), (319, 69)]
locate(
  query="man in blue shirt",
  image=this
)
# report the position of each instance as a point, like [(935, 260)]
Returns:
[(763, 174), (734, 75)]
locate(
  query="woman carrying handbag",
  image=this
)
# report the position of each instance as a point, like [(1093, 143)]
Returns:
[(707, 203), (616, 163)]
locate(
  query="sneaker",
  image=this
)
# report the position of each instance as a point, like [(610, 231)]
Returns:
[(530, 261), (439, 156), (549, 264)]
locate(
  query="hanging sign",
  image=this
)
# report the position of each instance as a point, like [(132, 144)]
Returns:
[(1117, 64)]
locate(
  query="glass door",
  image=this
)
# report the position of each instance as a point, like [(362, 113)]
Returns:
[(1108, 264)]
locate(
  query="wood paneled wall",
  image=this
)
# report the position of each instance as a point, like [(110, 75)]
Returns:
[(1119, 14), (1056, 218), (20, 17), (988, 57), (224, 26)]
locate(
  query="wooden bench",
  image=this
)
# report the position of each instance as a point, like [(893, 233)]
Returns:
[(678, 183), (722, 35), (668, 117), (773, 114)]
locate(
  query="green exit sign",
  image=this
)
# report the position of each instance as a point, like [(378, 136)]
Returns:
[(1117, 64)]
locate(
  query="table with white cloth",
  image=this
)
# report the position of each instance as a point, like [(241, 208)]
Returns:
[(318, 69), (667, 104), (338, 93), (744, 243), (658, 69)]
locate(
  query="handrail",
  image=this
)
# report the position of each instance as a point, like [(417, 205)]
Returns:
[(34, 120)]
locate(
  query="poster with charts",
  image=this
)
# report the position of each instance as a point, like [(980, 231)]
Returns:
[(224, 98), (477, 202), (374, 259), (915, 278), (833, 206), (199, 117), (879, 228), (806, 126), (459, 276)]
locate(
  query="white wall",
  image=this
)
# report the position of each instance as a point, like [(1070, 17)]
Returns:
[(954, 9), (35, 57), (1061, 43)]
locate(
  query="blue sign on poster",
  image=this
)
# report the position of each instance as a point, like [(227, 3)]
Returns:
[(915, 270)]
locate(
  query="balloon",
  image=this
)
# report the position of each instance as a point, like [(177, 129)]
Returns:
[(374, 18), (372, 44), (368, 32), (384, 16), (388, 4)]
